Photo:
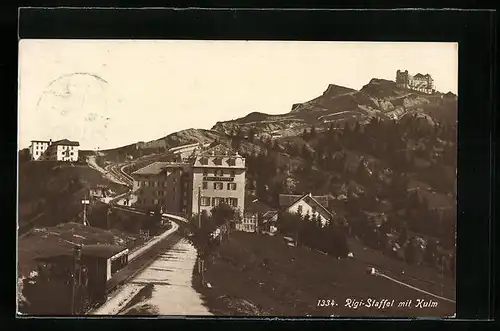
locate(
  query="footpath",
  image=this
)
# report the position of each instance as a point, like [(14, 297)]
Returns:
[(163, 286)]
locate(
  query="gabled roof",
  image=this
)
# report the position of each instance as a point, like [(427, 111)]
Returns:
[(257, 206), (286, 200), (156, 168), (65, 142), (308, 198), (419, 75)]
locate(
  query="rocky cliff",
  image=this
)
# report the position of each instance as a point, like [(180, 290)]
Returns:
[(379, 98)]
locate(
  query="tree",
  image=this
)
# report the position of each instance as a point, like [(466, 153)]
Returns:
[(362, 174), (411, 252), (251, 134), (290, 224), (403, 235), (331, 129), (223, 213), (347, 128), (431, 251), (305, 135), (313, 131), (306, 154), (357, 128)]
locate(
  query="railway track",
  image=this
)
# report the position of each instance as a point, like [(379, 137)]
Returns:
[(141, 260)]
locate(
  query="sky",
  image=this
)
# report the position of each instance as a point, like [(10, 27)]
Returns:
[(110, 93)]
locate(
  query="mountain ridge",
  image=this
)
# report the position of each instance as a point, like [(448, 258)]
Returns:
[(379, 98)]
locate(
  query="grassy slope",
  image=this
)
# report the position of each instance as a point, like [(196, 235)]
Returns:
[(294, 279), (42, 183)]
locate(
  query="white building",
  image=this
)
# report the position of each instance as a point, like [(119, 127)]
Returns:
[(219, 174), (60, 150), (254, 217), (308, 205), (159, 185), (38, 148)]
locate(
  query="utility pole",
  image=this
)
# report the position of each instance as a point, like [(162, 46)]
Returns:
[(199, 207), (200, 271), (85, 202), (76, 263)]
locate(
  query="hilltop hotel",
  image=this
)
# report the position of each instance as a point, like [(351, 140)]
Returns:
[(419, 82), (218, 173)]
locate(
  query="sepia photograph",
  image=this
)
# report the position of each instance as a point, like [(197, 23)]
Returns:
[(237, 178)]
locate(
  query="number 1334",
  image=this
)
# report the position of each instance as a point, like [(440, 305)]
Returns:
[(326, 303)]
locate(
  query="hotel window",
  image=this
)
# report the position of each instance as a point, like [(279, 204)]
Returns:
[(218, 186), (213, 201), (299, 209), (204, 185), (205, 172), (233, 202), (231, 162), (233, 173), (204, 201), (204, 161), (144, 183), (231, 186)]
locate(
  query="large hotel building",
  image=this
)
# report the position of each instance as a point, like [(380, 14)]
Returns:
[(217, 174)]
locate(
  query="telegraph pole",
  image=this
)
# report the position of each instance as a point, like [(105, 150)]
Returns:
[(76, 262), (85, 202), (199, 207), (200, 266)]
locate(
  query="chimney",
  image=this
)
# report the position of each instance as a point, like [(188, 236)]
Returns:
[(50, 142)]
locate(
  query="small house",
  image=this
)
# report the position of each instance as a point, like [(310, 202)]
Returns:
[(253, 216), (99, 191), (307, 204)]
